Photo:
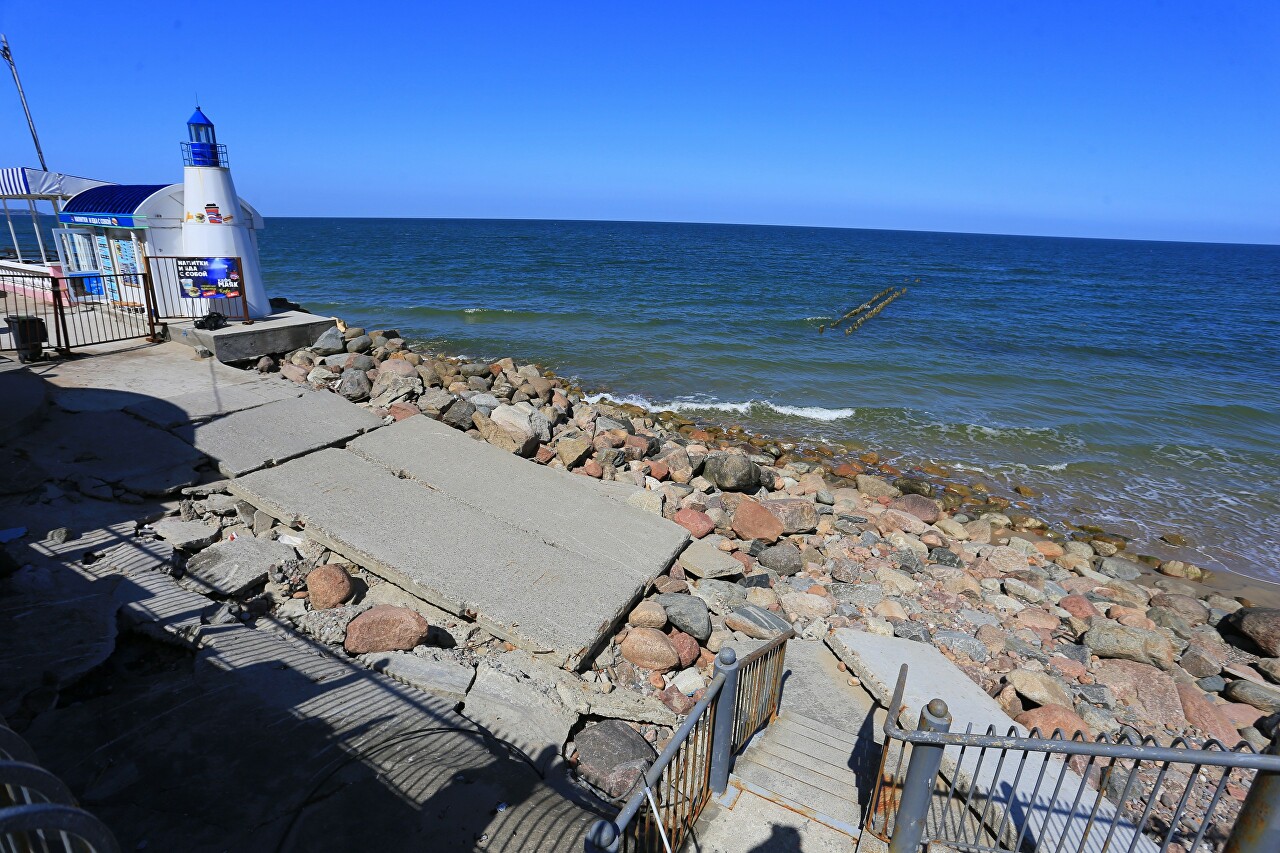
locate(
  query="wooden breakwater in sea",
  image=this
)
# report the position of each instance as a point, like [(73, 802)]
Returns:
[(856, 316)]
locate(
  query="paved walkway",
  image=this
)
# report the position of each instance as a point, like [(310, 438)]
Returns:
[(185, 734)]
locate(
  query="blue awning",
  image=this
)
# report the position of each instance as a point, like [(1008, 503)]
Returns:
[(111, 200)]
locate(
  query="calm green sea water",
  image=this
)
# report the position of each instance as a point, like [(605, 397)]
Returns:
[(1135, 384)]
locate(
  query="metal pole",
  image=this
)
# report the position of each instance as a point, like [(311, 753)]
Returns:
[(722, 734), (13, 66), (917, 788), (1257, 829), (17, 250), (35, 225)]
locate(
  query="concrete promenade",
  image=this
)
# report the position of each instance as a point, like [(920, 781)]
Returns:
[(185, 730)]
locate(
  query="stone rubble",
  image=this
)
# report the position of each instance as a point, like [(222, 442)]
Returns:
[(1066, 629)]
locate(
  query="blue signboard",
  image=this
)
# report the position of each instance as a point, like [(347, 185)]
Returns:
[(209, 278), (104, 220)]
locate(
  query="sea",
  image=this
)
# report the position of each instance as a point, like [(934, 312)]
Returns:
[(1133, 385)]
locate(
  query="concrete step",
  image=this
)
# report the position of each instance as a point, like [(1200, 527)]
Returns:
[(819, 726), (792, 785), (820, 774), (791, 724), (835, 759)]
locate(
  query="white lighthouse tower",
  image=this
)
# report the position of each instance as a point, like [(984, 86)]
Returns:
[(214, 225)]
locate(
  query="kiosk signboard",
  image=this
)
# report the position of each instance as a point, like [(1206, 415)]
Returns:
[(209, 278)]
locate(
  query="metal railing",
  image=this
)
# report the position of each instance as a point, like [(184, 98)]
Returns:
[(1012, 791), (72, 311), (741, 698), (37, 812), (170, 300)]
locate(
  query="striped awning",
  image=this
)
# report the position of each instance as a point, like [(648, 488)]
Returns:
[(25, 183)]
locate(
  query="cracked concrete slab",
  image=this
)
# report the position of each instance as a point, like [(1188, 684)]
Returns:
[(571, 512), (520, 586), (276, 432)]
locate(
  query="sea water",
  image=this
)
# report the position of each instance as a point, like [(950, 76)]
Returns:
[(1135, 385)]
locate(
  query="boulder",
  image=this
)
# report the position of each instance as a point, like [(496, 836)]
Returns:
[(803, 605), (386, 628), (784, 558), (687, 613), (732, 472), (1050, 718), (722, 597), (1264, 697), (1144, 689), (920, 506), (328, 586), (613, 756), (686, 647), (1120, 568), (648, 614), (796, 514), (1205, 716), (698, 523), (329, 342), (756, 622), (1262, 625), (1189, 609), (875, 487), (355, 385), (649, 648), (460, 415), (571, 451), (1112, 640), (1039, 687), (435, 402), (892, 519), (704, 560), (752, 521)]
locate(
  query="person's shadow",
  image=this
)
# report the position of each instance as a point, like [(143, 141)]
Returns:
[(782, 839)]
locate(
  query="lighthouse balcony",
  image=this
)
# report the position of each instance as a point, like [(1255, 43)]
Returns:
[(204, 154)]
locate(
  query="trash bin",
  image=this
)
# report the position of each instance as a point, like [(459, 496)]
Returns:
[(29, 335)]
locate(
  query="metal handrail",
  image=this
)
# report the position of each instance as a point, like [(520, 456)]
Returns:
[(915, 812), (606, 835), (1213, 753), (53, 817)]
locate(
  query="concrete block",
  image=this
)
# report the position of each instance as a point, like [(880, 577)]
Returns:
[(269, 434)]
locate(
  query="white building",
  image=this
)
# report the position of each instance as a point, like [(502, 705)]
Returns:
[(108, 232)]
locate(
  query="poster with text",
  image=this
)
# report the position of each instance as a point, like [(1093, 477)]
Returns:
[(209, 278)]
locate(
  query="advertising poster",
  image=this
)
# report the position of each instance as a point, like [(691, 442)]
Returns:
[(209, 278)]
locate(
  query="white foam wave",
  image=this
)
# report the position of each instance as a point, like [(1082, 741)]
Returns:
[(813, 413), (488, 310)]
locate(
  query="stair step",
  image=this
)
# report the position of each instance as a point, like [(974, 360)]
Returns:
[(801, 730), (819, 774), (833, 761), (843, 809), (819, 726)]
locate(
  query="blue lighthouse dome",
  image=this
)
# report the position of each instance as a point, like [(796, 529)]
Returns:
[(203, 148)]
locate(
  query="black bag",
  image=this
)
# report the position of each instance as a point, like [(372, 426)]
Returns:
[(212, 320)]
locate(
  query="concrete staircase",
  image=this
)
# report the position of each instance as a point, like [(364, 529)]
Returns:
[(807, 767)]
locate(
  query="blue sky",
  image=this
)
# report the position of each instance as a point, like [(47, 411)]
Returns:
[(1119, 119)]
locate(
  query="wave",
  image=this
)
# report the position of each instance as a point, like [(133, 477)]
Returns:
[(813, 413)]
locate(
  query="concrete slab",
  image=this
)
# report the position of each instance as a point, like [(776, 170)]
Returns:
[(876, 660), (537, 594), (277, 333), (566, 511), (523, 713), (212, 401), (269, 434), (813, 686)]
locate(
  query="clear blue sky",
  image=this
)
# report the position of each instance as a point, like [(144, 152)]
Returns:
[(1124, 118)]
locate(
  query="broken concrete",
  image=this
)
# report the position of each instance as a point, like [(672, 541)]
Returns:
[(538, 595), (439, 678), (272, 433), (568, 512), (230, 568)]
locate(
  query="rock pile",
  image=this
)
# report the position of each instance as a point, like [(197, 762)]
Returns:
[(1067, 632)]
